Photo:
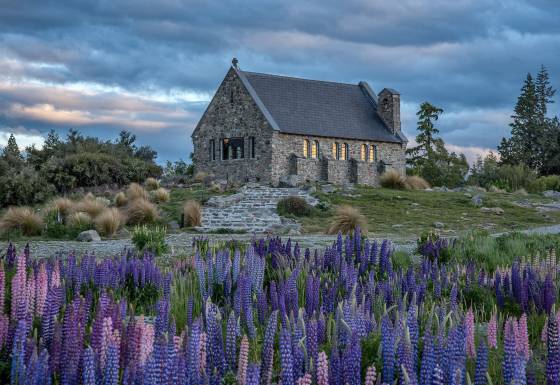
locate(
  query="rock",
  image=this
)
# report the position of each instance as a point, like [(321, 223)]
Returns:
[(439, 225), (311, 189), (294, 232), (551, 194), (122, 233), (396, 226), (88, 236), (525, 203), (415, 204), (328, 188), (173, 225), (477, 200), (219, 185), (521, 191), (492, 210)]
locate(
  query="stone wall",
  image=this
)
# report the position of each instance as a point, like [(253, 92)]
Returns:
[(326, 168), (232, 113)]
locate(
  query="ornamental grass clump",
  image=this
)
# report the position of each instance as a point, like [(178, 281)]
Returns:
[(141, 211), (415, 182), (120, 199), (63, 206), (151, 184), (192, 211), (90, 205), (109, 222), (392, 179), (160, 195), (80, 220), (135, 191), (347, 219), (22, 219)]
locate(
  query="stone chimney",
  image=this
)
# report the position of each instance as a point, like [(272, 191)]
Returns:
[(389, 108)]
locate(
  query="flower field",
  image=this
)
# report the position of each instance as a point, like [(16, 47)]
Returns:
[(272, 313)]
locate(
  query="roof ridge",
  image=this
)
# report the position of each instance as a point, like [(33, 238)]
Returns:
[(304, 79)]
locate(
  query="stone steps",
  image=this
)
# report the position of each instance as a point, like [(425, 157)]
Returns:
[(252, 209)]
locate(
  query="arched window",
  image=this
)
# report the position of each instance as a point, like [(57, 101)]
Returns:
[(373, 153), (315, 149), (335, 150), (344, 151), (305, 148), (363, 152)]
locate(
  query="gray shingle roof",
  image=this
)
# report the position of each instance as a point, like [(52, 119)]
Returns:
[(318, 108)]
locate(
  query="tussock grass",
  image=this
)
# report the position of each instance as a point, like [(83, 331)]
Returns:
[(160, 195), (151, 184), (193, 213), (109, 222), (141, 211), (121, 199), (93, 207), (135, 191), (347, 218), (79, 219), (414, 182), (23, 219), (64, 206), (392, 179)]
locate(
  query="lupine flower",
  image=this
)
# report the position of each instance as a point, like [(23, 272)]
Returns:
[(252, 375), (508, 365), (481, 364), (305, 380), (322, 369), (553, 352), (42, 289), (371, 375), (492, 332), (522, 337), (286, 362), (88, 371), (243, 360), (437, 376), (268, 349)]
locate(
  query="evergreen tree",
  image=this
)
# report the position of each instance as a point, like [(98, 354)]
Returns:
[(11, 154)]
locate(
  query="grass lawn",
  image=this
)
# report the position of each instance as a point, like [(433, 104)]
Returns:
[(407, 214)]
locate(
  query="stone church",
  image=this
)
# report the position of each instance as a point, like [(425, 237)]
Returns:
[(269, 128)]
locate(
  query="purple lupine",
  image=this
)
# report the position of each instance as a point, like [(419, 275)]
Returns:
[(508, 365), (88, 367), (549, 294), (352, 359), (481, 364), (553, 352), (387, 350), (268, 349), (231, 340), (252, 374), (18, 372), (312, 344), (286, 363), (428, 360)]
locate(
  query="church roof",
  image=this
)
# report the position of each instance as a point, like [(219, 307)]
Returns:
[(318, 108)]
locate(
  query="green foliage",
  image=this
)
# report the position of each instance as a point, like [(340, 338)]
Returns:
[(488, 172), (535, 138), (150, 239), (294, 206), (430, 159), (62, 165), (178, 171)]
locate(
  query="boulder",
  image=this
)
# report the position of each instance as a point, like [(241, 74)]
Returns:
[(551, 194), (173, 225), (122, 233), (439, 225), (494, 189), (492, 210), (88, 236), (477, 200), (290, 181)]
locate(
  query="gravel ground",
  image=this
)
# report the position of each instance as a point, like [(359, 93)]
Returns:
[(181, 243)]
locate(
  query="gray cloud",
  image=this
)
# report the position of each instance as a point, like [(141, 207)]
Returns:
[(151, 67)]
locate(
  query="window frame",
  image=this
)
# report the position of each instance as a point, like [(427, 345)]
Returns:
[(314, 149), (212, 150), (228, 151), (252, 151), (306, 148), (364, 152)]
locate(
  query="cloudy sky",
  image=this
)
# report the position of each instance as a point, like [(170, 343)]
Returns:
[(152, 66)]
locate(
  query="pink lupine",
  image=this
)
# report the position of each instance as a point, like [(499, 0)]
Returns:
[(522, 337), (202, 354), (305, 380), (2, 287), (106, 335), (30, 288), (322, 369), (371, 375), (41, 289), (4, 324), (243, 360), (55, 275), (19, 290), (493, 332), (177, 342), (469, 329), (147, 342)]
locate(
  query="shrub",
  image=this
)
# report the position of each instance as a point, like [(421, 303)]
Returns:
[(90, 205), (192, 210), (62, 206), (141, 211), (347, 218), (22, 219), (152, 239), (160, 195), (135, 191), (151, 184), (23, 187), (109, 222), (414, 182), (80, 220), (121, 199), (294, 206), (544, 183), (392, 179), (200, 176)]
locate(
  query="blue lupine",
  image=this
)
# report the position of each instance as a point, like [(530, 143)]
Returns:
[(481, 364), (286, 363)]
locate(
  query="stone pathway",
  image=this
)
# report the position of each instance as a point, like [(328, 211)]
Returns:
[(252, 209)]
